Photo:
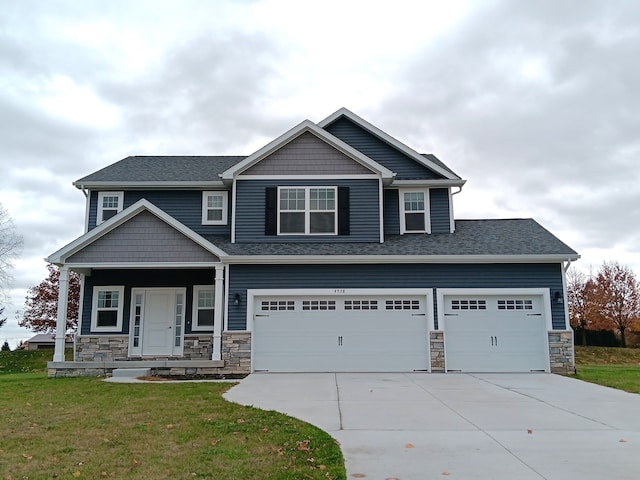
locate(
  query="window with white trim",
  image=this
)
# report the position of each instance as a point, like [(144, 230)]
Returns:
[(307, 211), (109, 205), (516, 304), (273, 305), (203, 307), (402, 305), (414, 211), (318, 305), (214, 208), (470, 304), (106, 312)]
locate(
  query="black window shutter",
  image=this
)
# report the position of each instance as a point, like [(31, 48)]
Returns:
[(271, 211), (343, 211)]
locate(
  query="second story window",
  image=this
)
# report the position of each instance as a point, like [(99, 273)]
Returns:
[(214, 208), (109, 204), (307, 211), (414, 212)]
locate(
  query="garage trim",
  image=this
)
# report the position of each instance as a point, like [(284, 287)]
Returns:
[(544, 293), (426, 293)]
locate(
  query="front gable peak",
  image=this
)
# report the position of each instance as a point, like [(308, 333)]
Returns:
[(298, 139)]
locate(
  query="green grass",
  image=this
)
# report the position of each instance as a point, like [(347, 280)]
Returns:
[(609, 366), (28, 361), (86, 428)]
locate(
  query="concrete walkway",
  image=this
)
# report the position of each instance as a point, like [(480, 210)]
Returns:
[(462, 426)]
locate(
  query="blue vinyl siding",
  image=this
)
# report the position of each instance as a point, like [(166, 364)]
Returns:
[(370, 145), (183, 205), (364, 211), (141, 279), (243, 277), (439, 210), (391, 212)]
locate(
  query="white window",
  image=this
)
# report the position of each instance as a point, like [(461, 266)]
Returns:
[(109, 204), (414, 211), (203, 305), (307, 211), (106, 314), (214, 208)]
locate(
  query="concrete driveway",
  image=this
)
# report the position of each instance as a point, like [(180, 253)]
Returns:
[(462, 426)]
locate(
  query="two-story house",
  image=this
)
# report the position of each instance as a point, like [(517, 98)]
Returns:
[(333, 248)]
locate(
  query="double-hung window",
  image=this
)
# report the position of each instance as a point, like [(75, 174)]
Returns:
[(203, 307), (109, 204), (414, 211), (307, 211), (214, 208), (107, 309)]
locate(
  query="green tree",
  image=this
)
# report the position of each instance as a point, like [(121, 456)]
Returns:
[(5, 347)]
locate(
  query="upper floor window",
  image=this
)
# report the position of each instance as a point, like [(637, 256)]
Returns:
[(106, 315), (109, 204), (203, 307), (307, 211), (214, 208), (414, 211)]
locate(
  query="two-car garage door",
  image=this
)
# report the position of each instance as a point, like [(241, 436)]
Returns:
[(496, 332), (357, 333)]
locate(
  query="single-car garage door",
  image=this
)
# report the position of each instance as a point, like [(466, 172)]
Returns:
[(345, 334), (495, 333)]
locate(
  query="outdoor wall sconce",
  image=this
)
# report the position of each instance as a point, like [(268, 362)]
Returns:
[(558, 298), (236, 299)]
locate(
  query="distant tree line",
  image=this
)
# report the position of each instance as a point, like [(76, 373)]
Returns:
[(607, 301)]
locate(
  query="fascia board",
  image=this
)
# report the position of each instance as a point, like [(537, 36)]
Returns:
[(140, 265), (427, 183), (369, 259), (306, 126), (169, 185), (60, 256), (385, 137)]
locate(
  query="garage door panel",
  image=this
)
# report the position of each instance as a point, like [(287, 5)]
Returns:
[(496, 333), (357, 334)]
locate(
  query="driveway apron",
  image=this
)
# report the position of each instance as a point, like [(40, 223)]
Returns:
[(462, 426)]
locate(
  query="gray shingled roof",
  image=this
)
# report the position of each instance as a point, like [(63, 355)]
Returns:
[(438, 162), (163, 169), (472, 237), (178, 168)]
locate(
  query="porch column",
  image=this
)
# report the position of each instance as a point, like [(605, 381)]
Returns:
[(61, 320), (217, 313)]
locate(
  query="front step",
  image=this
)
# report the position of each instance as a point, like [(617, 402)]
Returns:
[(131, 372)]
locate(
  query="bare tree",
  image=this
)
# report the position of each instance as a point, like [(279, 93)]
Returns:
[(10, 248)]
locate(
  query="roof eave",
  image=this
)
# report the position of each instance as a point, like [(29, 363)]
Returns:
[(165, 185), (362, 259)]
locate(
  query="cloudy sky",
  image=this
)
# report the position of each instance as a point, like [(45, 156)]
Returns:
[(536, 104)]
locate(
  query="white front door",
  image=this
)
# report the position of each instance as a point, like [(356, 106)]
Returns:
[(157, 322)]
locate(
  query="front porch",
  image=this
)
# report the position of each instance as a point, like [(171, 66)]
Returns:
[(101, 355)]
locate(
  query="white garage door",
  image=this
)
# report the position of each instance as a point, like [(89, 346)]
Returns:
[(345, 334), (495, 334)]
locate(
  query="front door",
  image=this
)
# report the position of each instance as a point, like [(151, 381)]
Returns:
[(158, 319)]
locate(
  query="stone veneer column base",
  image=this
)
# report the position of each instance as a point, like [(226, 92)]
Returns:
[(561, 352), (436, 349), (236, 352)]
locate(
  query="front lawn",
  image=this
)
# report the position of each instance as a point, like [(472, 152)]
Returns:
[(86, 428), (609, 366)]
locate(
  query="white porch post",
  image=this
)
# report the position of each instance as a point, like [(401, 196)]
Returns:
[(217, 313), (61, 321)]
